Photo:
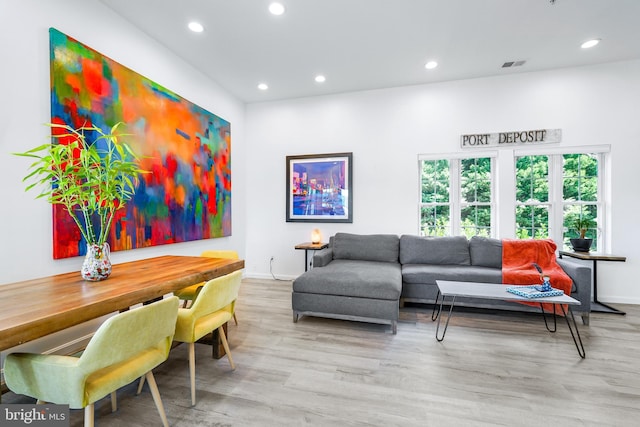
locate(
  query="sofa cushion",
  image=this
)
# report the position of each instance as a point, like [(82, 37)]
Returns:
[(372, 247), (434, 250), (428, 274), (353, 278), (485, 252)]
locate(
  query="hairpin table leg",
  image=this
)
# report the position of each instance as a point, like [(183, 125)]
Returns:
[(436, 307), (444, 331), (579, 347), (544, 316)]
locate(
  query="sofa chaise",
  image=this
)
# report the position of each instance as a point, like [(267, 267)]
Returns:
[(358, 277)]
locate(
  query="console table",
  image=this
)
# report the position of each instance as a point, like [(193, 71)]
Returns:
[(309, 246), (596, 305)]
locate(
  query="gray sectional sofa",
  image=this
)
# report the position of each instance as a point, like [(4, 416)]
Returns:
[(368, 277)]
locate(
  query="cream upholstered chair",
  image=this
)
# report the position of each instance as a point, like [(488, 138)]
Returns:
[(125, 347), (190, 293), (212, 308)]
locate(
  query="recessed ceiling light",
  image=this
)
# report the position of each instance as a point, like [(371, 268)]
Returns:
[(320, 78), (196, 27), (431, 65), (590, 43), (276, 9), (263, 86)]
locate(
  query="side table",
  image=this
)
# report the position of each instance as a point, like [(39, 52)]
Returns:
[(596, 305), (309, 246)]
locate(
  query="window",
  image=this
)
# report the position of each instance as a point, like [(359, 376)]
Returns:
[(541, 193), (553, 191), (435, 209), (532, 197), (580, 185), (475, 191), (456, 196)]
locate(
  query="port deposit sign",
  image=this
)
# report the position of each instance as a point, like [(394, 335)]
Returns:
[(506, 139)]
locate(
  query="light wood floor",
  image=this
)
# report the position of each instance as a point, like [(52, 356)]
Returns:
[(491, 369)]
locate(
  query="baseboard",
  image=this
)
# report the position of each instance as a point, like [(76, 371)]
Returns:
[(618, 300), (268, 276)]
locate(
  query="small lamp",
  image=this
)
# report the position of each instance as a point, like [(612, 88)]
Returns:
[(315, 236)]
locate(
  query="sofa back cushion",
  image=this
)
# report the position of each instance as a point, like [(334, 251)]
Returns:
[(485, 252), (434, 250), (371, 247)]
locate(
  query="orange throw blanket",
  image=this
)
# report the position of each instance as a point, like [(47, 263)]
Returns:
[(518, 257)]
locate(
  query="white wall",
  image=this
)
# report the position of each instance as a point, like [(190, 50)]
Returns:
[(25, 223), (387, 129)]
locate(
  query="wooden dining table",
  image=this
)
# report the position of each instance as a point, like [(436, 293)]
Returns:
[(35, 308)]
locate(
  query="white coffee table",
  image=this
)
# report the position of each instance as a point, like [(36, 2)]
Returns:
[(454, 289)]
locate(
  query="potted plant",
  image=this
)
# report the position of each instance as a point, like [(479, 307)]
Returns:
[(582, 244), (92, 174)]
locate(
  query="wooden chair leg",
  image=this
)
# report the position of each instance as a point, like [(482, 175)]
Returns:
[(192, 371), (225, 344), (114, 402), (88, 415), (140, 385), (156, 397), (235, 319)]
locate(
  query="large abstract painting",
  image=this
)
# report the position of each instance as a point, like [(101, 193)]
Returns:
[(187, 195)]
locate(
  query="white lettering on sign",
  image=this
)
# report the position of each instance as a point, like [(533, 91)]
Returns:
[(539, 136)]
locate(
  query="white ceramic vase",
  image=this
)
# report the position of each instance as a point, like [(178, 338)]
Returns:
[(97, 264)]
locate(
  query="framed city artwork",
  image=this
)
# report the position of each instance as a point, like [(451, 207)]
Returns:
[(319, 188)]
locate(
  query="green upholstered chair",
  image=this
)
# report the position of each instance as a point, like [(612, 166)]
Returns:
[(125, 347), (213, 308), (190, 293)]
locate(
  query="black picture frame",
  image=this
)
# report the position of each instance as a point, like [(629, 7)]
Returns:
[(320, 188)]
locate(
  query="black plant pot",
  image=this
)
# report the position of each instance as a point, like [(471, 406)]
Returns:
[(581, 245)]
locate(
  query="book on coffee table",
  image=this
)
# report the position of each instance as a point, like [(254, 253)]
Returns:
[(534, 291)]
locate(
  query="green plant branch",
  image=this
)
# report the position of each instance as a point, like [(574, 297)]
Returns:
[(105, 231), (86, 179)]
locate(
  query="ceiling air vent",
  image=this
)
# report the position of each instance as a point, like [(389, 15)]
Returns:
[(513, 64)]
